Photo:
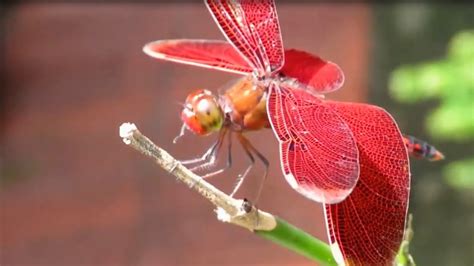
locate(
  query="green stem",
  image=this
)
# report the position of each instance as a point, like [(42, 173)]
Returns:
[(300, 242)]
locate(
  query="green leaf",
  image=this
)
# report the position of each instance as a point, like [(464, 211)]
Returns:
[(462, 45), (460, 174)]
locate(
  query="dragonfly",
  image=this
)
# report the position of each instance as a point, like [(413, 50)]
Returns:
[(351, 157)]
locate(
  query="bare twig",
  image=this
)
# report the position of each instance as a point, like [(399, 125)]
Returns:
[(230, 210)]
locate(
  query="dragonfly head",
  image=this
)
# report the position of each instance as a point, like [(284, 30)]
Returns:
[(202, 113)]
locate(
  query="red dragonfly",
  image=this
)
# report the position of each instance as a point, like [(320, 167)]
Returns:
[(349, 156)]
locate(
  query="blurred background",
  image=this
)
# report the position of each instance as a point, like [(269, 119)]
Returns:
[(73, 194)]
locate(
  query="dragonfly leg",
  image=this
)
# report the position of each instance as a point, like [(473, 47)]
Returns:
[(251, 150), (211, 159), (211, 156), (241, 177), (208, 154), (181, 133), (229, 159)]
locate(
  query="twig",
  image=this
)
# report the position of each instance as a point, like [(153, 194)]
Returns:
[(234, 211), (228, 209)]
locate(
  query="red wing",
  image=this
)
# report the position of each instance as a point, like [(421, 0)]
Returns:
[(252, 27), (367, 228), (320, 75), (318, 153), (218, 55)]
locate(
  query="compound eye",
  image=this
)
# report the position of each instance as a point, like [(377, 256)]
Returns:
[(202, 114), (191, 121), (209, 113), (206, 107)]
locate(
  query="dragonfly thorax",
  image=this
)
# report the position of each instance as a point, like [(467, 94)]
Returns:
[(202, 113), (244, 104)]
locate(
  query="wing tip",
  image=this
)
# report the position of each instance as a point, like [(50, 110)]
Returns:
[(337, 254), (332, 196), (148, 49), (330, 69), (340, 82), (325, 196)]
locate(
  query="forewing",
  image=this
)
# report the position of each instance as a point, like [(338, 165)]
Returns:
[(312, 71), (319, 156), (367, 228), (218, 55), (252, 27)]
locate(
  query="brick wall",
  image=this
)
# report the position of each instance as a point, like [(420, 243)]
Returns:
[(73, 194)]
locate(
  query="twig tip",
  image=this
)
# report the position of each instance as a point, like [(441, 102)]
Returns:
[(126, 132)]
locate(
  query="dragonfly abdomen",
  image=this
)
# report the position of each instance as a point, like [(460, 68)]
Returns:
[(421, 149)]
